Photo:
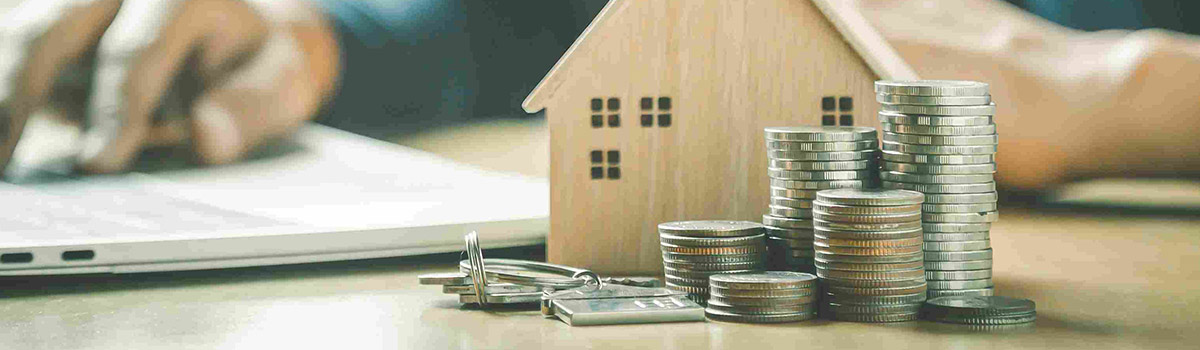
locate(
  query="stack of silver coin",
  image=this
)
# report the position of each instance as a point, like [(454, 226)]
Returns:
[(869, 256), (939, 139), (694, 250), (804, 160), (768, 297)]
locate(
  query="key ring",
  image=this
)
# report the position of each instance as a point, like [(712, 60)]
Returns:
[(507, 270)]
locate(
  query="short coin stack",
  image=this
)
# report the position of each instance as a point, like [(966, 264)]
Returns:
[(768, 297), (694, 250), (869, 256), (980, 310), (939, 139), (804, 160)]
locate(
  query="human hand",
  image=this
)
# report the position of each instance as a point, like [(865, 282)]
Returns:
[(223, 75)]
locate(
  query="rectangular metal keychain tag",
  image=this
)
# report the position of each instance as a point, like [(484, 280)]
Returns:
[(620, 304)]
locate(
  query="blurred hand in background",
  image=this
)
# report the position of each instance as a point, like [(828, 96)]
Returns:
[(220, 75)]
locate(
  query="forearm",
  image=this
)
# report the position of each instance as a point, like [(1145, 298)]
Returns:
[(1104, 103)]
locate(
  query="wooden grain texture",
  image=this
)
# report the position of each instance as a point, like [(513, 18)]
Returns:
[(731, 68)]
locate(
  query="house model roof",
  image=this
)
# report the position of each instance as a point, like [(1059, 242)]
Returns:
[(862, 37)]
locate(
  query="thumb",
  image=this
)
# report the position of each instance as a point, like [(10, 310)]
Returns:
[(217, 136)]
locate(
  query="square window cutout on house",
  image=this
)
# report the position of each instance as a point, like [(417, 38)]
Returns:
[(845, 104), (614, 157), (614, 120), (597, 172), (664, 120), (664, 103), (846, 120), (828, 103), (614, 173), (597, 120), (614, 103), (647, 120), (597, 156), (647, 103), (828, 120), (597, 104)]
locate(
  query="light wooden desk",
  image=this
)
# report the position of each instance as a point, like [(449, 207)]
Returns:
[(1101, 281)]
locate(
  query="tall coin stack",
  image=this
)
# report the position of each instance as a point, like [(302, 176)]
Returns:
[(804, 160), (939, 138), (694, 250), (869, 255), (768, 297)]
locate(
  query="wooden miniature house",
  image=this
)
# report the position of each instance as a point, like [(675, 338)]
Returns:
[(656, 114)]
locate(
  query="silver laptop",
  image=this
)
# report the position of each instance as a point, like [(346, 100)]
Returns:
[(321, 195)]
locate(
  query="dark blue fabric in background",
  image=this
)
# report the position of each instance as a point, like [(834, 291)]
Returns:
[(1177, 15), (411, 64)]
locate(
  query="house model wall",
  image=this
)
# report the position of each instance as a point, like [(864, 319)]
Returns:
[(656, 114)]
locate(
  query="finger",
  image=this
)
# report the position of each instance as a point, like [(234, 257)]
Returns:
[(136, 60), (65, 32)]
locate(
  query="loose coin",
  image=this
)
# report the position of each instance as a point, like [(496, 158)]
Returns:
[(711, 228), (838, 209), (989, 216), (985, 254), (958, 265), (937, 140), (870, 197), (938, 188), (957, 246), (988, 109), (958, 208), (821, 146), (958, 275), (927, 149), (934, 120), (933, 100), (941, 169), (989, 320), (803, 175), (746, 318), (690, 241), (806, 156), (940, 130), (931, 87), (935, 178), (820, 133), (977, 306)]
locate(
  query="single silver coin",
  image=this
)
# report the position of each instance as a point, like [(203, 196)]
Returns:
[(939, 169), (822, 166), (988, 109), (851, 299), (747, 318), (764, 280), (819, 133), (966, 218), (806, 156), (869, 235), (690, 241), (867, 267), (956, 237), (932, 293), (955, 228), (939, 188), (711, 228), (987, 129), (820, 225), (705, 259), (786, 212), (761, 310), (934, 120), (799, 193), (966, 198), (942, 159), (715, 267), (958, 265), (931, 87), (990, 321), (957, 245), (867, 180), (897, 176), (870, 197), (867, 219), (928, 149), (838, 209), (985, 254), (822, 146), (937, 140), (933, 100), (872, 309), (867, 259), (803, 175), (958, 208), (701, 274)]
